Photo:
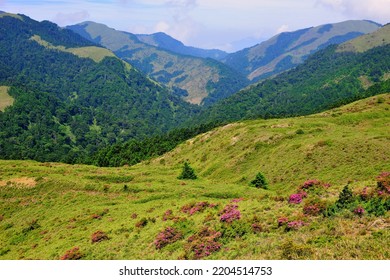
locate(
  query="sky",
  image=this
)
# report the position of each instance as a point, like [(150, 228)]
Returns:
[(229, 25)]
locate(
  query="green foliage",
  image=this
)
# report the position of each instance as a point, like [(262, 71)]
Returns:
[(346, 198), (259, 182), (326, 80), (187, 173), (66, 108)]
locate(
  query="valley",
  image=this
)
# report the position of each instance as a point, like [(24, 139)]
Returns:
[(53, 210), (118, 146)]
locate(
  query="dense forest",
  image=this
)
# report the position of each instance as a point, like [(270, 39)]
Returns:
[(66, 107), (327, 79)]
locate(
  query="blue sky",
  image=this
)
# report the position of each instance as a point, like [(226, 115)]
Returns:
[(224, 24)]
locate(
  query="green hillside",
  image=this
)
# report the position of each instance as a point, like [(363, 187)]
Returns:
[(289, 49), (54, 211), (364, 43), (72, 97), (328, 78), (197, 80)]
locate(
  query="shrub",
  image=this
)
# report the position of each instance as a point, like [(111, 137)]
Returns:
[(313, 209), (203, 244), (259, 182), (98, 236), (230, 213), (295, 198), (383, 182), (72, 254), (346, 198), (168, 215), (300, 131), (294, 225), (141, 223), (167, 236), (193, 208), (31, 225), (187, 172), (310, 183), (359, 211), (282, 221)]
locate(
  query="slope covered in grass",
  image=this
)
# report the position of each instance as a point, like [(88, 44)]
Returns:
[(53, 211)]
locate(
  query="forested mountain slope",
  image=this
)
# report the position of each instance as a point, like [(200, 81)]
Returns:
[(196, 80), (328, 78), (289, 49), (71, 97)]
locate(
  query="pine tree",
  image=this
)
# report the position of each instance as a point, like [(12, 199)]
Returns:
[(260, 182), (187, 172)]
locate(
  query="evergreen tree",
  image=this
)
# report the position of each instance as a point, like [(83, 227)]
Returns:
[(260, 181), (187, 172)]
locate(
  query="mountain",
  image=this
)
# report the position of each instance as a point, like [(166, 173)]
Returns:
[(67, 97), (328, 78), (166, 42), (289, 49), (196, 80), (58, 211)]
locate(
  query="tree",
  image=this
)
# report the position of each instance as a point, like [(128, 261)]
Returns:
[(187, 172), (260, 181)]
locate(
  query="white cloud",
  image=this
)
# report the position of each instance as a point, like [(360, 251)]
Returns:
[(283, 28), (63, 19), (377, 10)]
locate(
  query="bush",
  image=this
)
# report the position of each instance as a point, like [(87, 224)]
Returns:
[(72, 254), (187, 173), (230, 213), (98, 236), (167, 236), (259, 182), (346, 198), (383, 182), (203, 244)]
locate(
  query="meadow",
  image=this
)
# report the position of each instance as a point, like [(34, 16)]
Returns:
[(327, 196)]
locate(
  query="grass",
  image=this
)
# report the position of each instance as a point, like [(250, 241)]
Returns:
[(48, 209), (5, 99), (97, 54), (368, 41)]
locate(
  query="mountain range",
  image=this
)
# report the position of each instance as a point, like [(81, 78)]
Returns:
[(99, 95), (198, 80), (289, 49)]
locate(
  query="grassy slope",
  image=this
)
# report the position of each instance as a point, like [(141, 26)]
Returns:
[(5, 98), (97, 54), (368, 41), (346, 144)]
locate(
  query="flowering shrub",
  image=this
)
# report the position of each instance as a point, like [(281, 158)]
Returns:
[(310, 183), (98, 236), (167, 215), (313, 209), (359, 211), (141, 223), (293, 225), (193, 208), (167, 236), (282, 221), (295, 198), (236, 200), (72, 254), (230, 213), (204, 243)]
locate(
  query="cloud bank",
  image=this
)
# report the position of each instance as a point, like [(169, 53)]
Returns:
[(377, 10)]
